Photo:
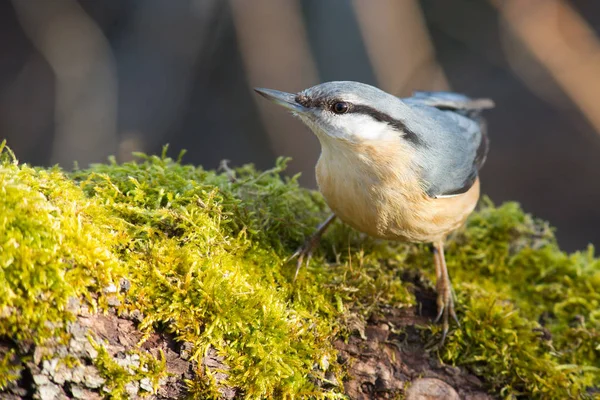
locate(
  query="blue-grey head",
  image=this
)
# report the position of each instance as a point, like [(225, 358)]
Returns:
[(347, 110)]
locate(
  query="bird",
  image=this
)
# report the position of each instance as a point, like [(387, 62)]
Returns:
[(404, 169)]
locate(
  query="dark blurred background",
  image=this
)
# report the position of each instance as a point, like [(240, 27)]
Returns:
[(81, 80)]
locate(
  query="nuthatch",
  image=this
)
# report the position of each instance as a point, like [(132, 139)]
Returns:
[(400, 169)]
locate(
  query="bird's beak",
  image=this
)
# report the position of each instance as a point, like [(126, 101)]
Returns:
[(287, 100)]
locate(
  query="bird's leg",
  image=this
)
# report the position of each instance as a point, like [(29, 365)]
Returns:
[(445, 302), (306, 250)]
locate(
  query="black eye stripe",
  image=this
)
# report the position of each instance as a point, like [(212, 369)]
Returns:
[(393, 122), (377, 115), (308, 102)]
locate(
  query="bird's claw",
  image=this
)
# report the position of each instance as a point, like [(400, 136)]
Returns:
[(304, 252), (445, 303)]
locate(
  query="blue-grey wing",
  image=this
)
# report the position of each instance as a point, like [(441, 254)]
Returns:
[(455, 140), (451, 101)]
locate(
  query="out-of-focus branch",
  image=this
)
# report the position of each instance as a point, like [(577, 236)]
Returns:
[(86, 87), (561, 40), (399, 46), (275, 53)]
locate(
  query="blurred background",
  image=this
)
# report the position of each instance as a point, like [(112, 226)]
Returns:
[(82, 80)]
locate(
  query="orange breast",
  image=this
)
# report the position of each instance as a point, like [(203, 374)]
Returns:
[(373, 189)]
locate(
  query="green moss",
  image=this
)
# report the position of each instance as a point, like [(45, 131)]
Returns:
[(204, 254), (55, 243), (511, 275), (118, 376), (9, 369)]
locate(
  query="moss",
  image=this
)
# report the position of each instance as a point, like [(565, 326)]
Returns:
[(9, 368), (118, 376), (530, 311), (55, 243), (204, 254)]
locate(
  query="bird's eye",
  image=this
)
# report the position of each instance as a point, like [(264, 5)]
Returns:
[(340, 107)]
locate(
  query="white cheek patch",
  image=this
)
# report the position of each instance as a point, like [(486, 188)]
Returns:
[(353, 127), (364, 127)]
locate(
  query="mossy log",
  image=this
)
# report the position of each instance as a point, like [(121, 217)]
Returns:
[(163, 280)]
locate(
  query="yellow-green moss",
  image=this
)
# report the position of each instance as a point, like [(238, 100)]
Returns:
[(9, 370), (55, 243), (204, 255), (117, 376), (511, 277)]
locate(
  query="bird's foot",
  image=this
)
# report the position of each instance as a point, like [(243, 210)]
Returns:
[(304, 253), (445, 303), (306, 250)]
